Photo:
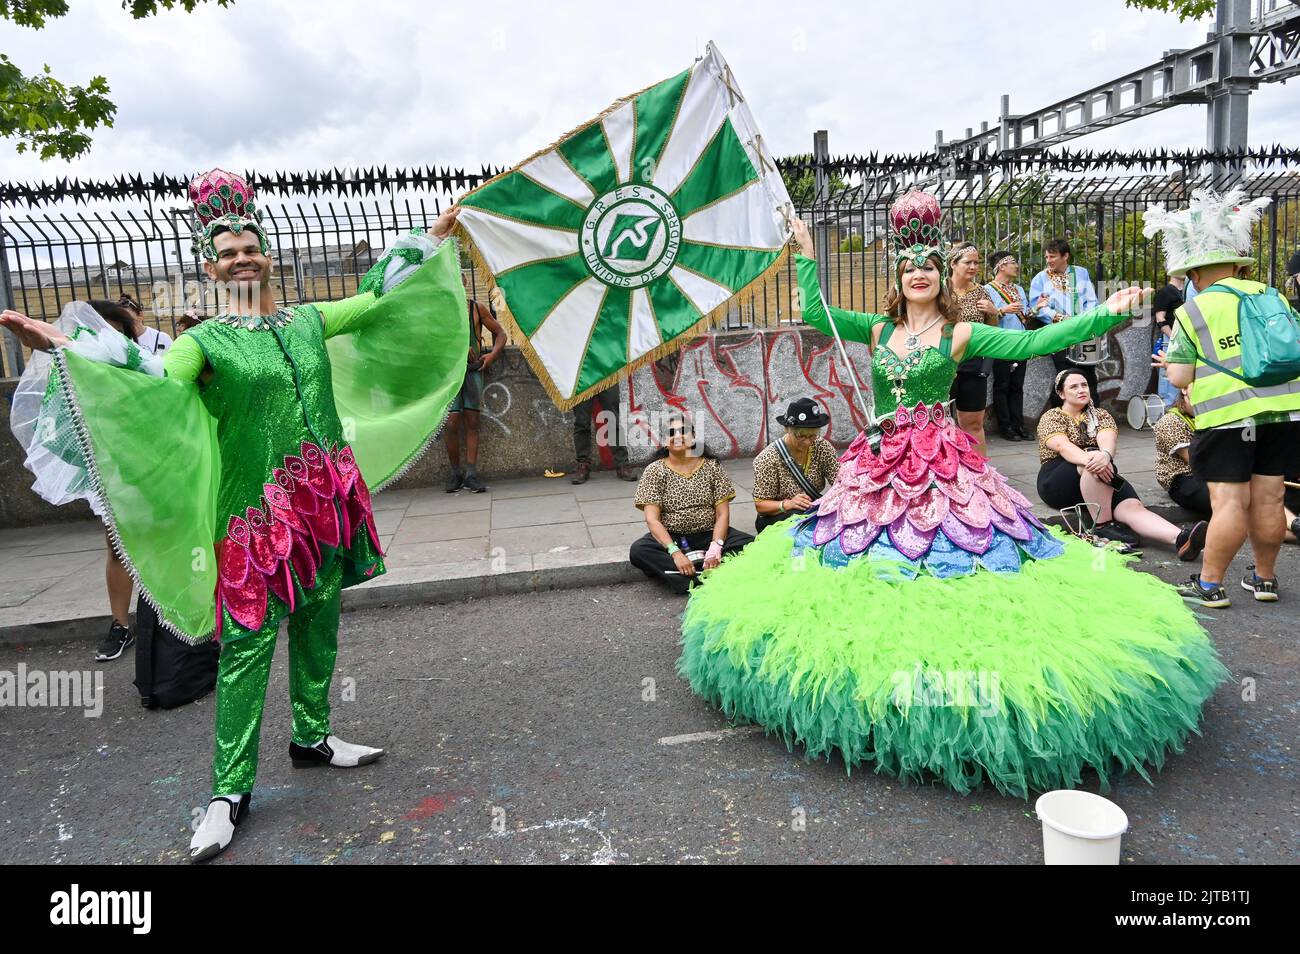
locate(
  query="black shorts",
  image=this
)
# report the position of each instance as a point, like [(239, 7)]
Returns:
[(1058, 485), (1230, 455), (970, 391)]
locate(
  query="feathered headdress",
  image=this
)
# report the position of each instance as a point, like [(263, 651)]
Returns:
[(1212, 230), (223, 200)]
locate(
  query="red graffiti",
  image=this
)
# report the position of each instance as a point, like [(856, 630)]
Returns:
[(735, 386)]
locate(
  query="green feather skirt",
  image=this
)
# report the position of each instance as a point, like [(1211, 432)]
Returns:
[(1024, 680)]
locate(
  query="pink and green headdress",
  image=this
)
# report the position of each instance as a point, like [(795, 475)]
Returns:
[(914, 219), (223, 200)]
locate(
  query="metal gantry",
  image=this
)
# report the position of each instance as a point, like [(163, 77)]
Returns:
[(1253, 42)]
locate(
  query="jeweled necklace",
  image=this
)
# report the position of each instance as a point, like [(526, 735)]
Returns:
[(913, 339), (280, 318)]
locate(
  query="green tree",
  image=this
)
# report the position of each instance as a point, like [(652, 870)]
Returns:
[(1284, 219), (44, 114), (1015, 216), (1186, 9), (802, 187), (1127, 255)]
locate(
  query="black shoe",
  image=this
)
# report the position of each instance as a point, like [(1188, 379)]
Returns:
[(628, 472), (474, 485), (1009, 435), (1214, 598), (1191, 541), (1265, 590), (1295, 529), (332, 750), (455, 482), (1024, 434), (1110, 530), (115, 643), (582, 474)]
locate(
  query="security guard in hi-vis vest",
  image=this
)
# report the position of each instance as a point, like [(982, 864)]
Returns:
[(1247, 437)]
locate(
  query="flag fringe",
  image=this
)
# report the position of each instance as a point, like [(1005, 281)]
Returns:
[(762, 283)]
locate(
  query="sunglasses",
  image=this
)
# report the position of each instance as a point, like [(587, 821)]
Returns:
[(678, 431)]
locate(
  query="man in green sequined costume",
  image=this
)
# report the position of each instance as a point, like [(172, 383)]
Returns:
[(289, 439)]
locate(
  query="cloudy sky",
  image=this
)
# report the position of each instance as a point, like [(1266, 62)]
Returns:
[(292, 84)]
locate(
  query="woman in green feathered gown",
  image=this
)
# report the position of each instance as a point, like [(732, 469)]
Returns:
[(921, 619)]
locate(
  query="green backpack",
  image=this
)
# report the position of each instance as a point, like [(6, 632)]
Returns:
[(1270, 337)]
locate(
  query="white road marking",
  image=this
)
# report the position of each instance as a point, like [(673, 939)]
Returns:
[(710, 736)]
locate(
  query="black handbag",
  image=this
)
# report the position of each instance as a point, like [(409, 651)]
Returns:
[(169, 672)]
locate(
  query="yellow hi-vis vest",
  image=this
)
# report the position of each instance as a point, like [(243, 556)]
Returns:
[(1210, 320)]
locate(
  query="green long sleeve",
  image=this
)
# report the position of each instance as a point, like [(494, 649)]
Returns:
[(345, 316), (184, 360), (987, 341), (852, 325)]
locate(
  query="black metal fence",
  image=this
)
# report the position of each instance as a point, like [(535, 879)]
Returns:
[(1095, 201), (66, 241)]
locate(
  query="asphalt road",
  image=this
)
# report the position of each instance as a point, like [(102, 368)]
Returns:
[(522, 729)]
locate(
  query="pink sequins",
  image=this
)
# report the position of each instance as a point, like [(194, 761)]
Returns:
[(925, 479), (858, 537), (908, 540), (316, 499), (928, 510)]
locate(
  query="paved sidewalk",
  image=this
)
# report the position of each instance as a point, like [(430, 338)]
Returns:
[(521, 535)]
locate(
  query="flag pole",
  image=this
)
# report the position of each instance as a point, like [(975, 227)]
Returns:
[(835, 331)]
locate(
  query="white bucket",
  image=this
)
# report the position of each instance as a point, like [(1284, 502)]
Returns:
[(1080, 828)]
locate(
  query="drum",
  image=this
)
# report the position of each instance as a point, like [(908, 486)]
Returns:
[(1144, 410), (1093, 351)]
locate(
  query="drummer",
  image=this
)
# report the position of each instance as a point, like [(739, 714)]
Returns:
[(1059, 292)]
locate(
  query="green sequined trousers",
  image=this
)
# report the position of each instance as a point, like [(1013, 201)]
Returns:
[(242, 678)]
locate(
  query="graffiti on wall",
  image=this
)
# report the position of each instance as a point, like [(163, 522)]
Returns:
[(734, 386)]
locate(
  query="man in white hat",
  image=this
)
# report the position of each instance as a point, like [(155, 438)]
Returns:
[(1247, 436)]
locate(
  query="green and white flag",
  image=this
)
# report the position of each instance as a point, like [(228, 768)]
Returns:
[(618, 244)]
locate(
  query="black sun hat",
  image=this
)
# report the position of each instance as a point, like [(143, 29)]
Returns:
[(804, 412)]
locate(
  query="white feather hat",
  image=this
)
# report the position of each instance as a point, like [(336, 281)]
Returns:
[(1213, 230)]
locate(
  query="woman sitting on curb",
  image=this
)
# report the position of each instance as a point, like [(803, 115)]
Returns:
[(792, 472), (1076, 446), (685, 495), (1174, 432)]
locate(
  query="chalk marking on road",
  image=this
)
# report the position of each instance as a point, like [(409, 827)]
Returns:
[(64, 834), (604, 855), (710, 736)]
